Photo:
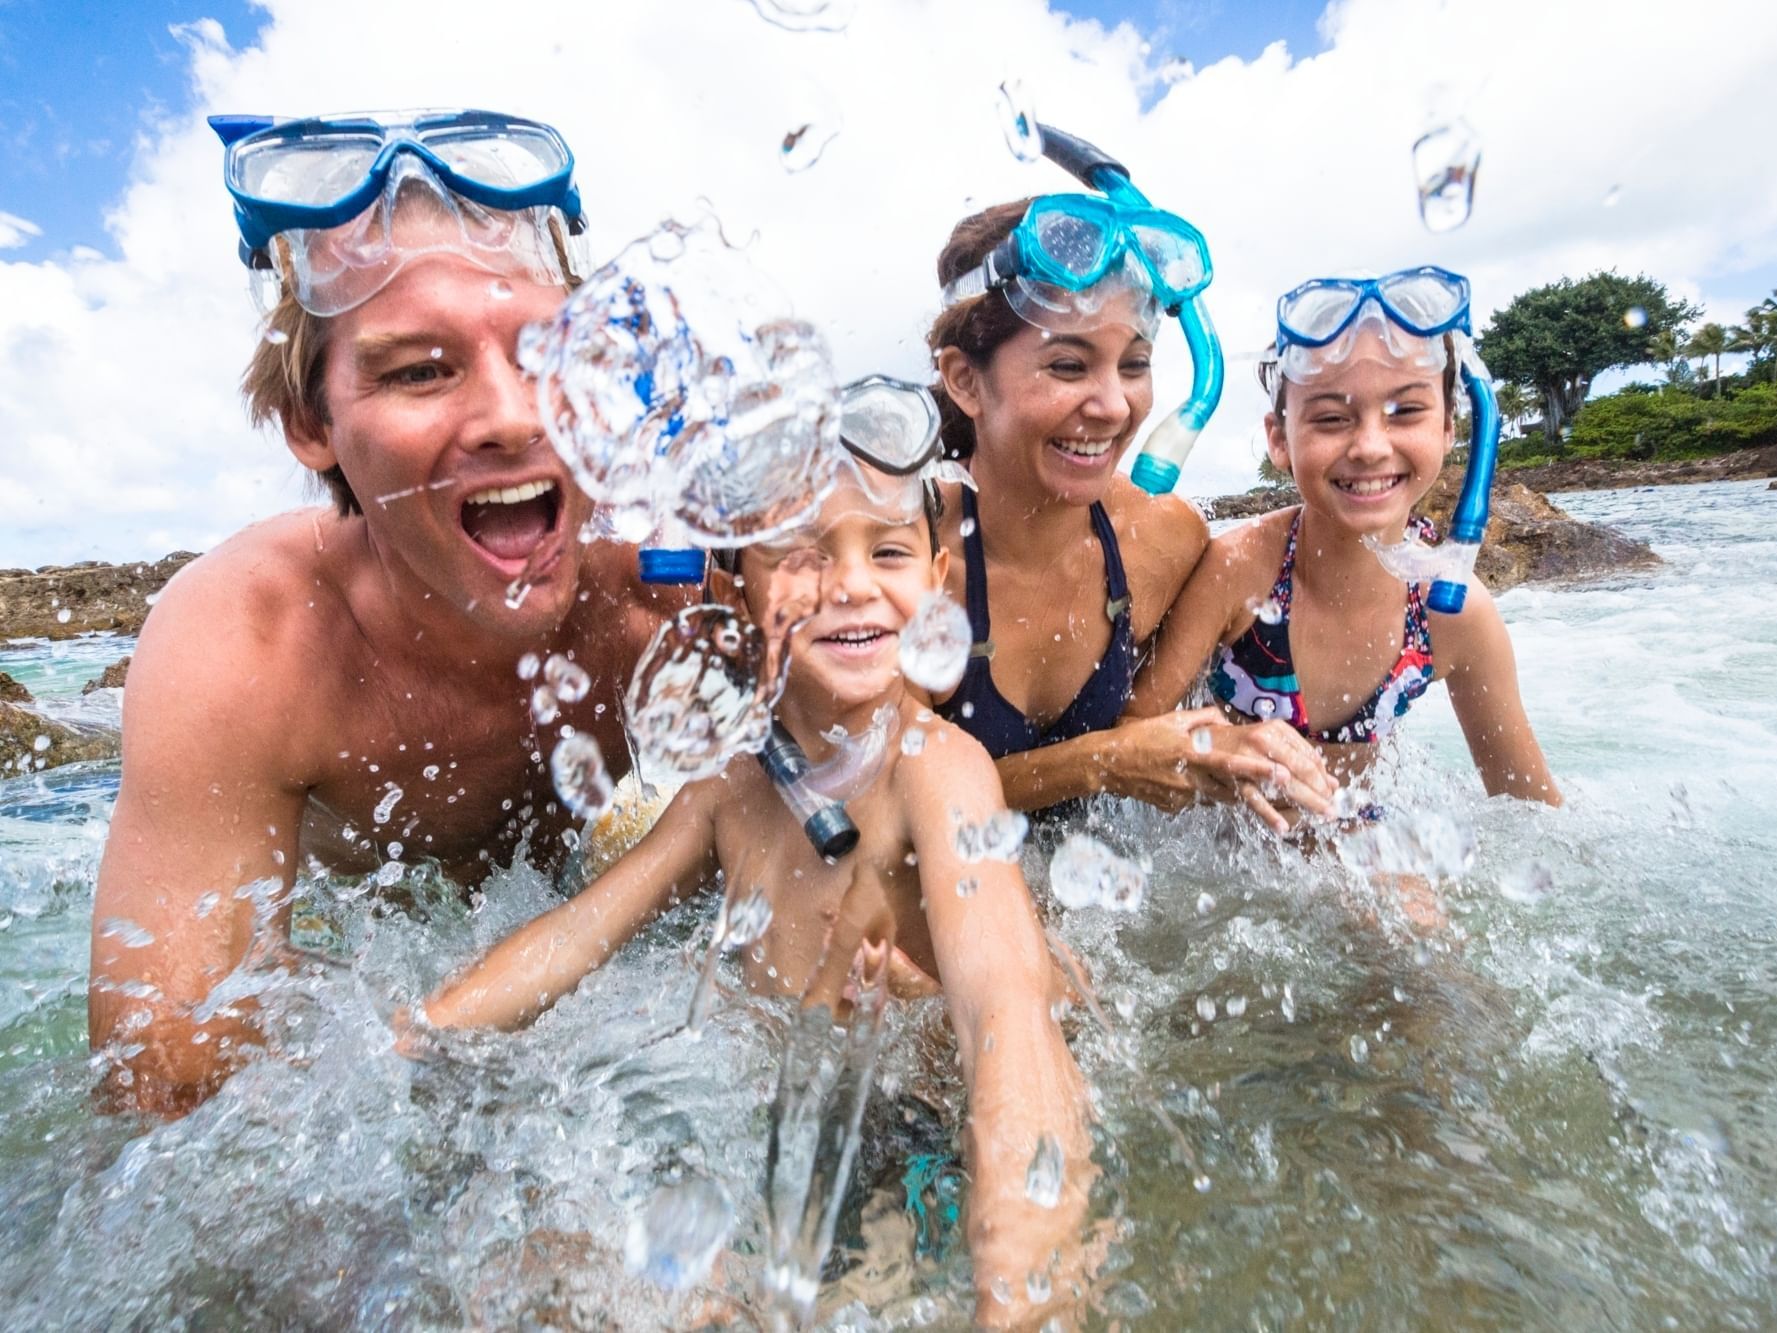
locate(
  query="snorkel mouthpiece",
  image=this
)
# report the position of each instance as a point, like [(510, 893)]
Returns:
[(1157, 467), (1468, 524), (828, 826)]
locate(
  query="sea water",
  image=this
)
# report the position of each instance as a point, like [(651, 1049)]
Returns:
[(1557, 1111)]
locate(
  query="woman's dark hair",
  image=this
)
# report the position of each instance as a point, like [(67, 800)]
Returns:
[(977, 327)]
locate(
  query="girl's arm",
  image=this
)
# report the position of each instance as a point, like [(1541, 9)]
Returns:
[(999, 987), (1476, 657), (537, 964)]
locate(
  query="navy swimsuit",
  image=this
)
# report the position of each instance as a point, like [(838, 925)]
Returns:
[(982, 711)]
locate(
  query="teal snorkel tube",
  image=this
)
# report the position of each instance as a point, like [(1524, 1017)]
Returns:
[(1468, 524), (1157, 467)]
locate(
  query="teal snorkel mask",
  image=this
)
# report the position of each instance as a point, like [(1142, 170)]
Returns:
[(1073, 254), (1320, 325)]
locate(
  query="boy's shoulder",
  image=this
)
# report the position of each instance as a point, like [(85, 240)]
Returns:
[(944, 768)]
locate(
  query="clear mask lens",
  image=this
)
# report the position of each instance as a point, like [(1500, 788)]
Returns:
[(1423, 299), (1178, 262), (1123, 296), (1372, 335), (889, 423)]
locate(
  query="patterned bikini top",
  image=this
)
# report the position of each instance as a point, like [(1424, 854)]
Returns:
[(1256, 676)]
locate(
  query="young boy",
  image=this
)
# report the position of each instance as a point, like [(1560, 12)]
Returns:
[(967, 927)]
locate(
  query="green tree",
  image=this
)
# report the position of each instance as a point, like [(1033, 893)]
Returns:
[(1559, 338), (1515, 403), (1758, 335), (1709, 341)]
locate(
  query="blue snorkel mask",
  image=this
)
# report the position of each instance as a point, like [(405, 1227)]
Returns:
[(1073, 255), (1324, 322), (315, 199)]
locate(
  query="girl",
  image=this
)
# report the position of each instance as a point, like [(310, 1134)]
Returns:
[(1306, 624), (1065, 567)]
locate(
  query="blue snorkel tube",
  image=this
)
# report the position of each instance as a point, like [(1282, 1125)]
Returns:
[(1468, 524), (1157, 467)]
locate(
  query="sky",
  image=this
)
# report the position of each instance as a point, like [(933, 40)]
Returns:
[(1611, 138)]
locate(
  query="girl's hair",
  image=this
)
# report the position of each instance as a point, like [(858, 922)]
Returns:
[(1271, 379), (978, 326)]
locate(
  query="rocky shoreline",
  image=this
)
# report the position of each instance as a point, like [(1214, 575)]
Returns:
[(1597, 474), (62, 601)]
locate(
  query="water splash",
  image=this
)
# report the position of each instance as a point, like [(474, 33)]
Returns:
[(1048, 1168), (1267, 612), (1086, 873), (545, 707), (701, 694), (683, 396), (1018, 121), (804, 143), (856, 760), (577, 768), (674, 1239), (1445, 162), (567, 678), (935, 644), (996, 838), (807, 15)]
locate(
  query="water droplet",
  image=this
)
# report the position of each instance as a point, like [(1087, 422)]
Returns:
[(390, 873), (64, 616), (126, 933), (935, 644), (430, 772), (1236, 1006), (1359, 1048), (693, 701), (1266, 612), (1635, 317), (1048, 1166), (748, 919), (1529, 883), (807, 15), (437, 354), (1288, 1004), (386, 806), (545, 708), (1038, 1287), (673, 1241), (1612, 195), (1086, 873), (1206, 903), (1018, 121), (803, 144), (1445, 162), (568, 679), (500, 290), (276, 337), (996, 838), (209, 902), (968, 527), (516, 592), (1202, 740), (1206, 1008), (1201, 1184), (666, 245), (913, 740), (41, 743), (528, 666), (577, 768), (968, 886)]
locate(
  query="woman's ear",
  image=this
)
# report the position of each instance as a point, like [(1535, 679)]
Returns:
[(1277, 445), (962, 381)]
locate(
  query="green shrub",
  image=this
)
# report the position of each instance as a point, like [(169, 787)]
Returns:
[(1674, 424)]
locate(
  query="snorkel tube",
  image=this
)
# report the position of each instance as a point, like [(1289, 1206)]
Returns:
[(1468, 524), (1156, 469)]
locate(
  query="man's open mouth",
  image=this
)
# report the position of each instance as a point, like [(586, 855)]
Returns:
[(511, 522)]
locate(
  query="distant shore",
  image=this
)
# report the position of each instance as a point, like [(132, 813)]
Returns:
[(1615, 474)]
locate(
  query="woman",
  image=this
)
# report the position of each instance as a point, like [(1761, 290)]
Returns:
[(1065, 566)]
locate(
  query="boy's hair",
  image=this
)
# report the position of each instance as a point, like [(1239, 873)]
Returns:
[(727, 558)]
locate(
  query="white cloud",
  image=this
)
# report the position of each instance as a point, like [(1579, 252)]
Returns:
[(16, 231), (118, 377)]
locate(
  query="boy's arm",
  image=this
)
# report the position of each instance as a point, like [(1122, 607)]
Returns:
[(201, 854), (537, 964), (1478, 664), (999, 987)]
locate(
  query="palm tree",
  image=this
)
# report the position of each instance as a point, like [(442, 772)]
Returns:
[(1709, 341), (1515, 403), (1666, 348), (1758, 335)]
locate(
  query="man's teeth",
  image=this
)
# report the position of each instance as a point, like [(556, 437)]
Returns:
[(511, 495), (1084, 448), (1369, 485)]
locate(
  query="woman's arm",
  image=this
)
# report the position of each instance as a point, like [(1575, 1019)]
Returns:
[(537, 964), (1476, 660), (1025, 1090)]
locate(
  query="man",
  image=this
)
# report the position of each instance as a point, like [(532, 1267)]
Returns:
[(345, 685)]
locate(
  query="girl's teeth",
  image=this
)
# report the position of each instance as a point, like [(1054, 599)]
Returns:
[(1374, 486)]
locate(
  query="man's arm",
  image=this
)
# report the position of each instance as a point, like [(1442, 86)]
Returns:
[(201, 855), (999, 988), (537, 964)]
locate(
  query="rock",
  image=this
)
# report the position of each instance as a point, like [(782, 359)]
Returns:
[(111, 678), (92, 596), (12, 692), (1528, 539), (1609, 474), (40, 743)]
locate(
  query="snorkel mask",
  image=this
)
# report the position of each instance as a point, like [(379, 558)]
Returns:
[(1324, 323), (316, 200), (1074, 256)]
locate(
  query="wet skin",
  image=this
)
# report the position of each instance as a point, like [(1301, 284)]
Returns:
[(285, 680)]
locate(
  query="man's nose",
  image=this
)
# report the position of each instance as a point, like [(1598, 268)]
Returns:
[(505, 415)]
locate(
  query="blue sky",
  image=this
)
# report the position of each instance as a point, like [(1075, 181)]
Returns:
[(79, 78)]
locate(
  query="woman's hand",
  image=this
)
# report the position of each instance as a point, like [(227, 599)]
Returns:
[(1178, 758)]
